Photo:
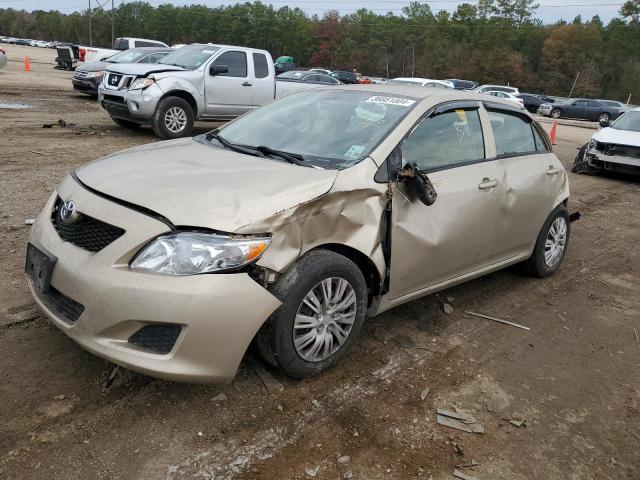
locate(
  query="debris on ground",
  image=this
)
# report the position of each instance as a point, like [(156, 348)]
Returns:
[(469, 464), (518, 423), (200, 434), (348, 475), (497, 320), (459, 420), (44, 154), (60, 397), (447, 308), (457, 448), (269, 381), (344, 459), (312, 471), (458, 474), (636, 332), (424, 393), (60, 123), (221, 397), (29, 221), (111, 377)]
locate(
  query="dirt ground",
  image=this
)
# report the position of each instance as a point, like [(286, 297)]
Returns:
[(574, 378)]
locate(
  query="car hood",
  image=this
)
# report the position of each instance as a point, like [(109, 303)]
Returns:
[(197, 185), (142, 69), (619, 137), (92, 66)]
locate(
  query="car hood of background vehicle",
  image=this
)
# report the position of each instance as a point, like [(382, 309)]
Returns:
[(193, 184), (142, 69), (619, 137), (92, 67)]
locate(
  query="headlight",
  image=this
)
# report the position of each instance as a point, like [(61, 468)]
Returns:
[(191, 253), (99, 73), (140, 83)]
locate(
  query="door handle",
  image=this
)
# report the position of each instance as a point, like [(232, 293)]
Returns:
[(487, 184), (553, 170), (246, 84)]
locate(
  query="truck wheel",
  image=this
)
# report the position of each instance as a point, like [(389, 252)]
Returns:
[(173, 118), (126, 123)]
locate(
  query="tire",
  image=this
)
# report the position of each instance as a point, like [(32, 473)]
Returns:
[(126, 123), (555, 113), (275, 340), (580, 164), (538, 263), (173, 118)]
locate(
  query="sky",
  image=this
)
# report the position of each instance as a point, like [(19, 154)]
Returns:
[(549, 10)]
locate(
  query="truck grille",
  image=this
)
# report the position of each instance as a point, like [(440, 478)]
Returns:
[(86, 232), (156, 338)]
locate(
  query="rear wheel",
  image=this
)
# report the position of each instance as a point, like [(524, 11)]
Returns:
[(551, 244), (604, 117), (324, 299), (126, 123), (555, 113), (173, 118)]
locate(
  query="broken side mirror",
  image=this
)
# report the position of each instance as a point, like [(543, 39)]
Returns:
[(418, 183), (218, 69)]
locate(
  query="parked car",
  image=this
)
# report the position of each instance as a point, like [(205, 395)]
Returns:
[(345, 77), (581, 109), (3, 58), (308, 76), (21, 41), (289, 225), (614, 148), (506, 96), (496, 88), (320, 70), (94, 54), (463, 84), (424, 82), (88, 76), (532, 101), (622, 107)]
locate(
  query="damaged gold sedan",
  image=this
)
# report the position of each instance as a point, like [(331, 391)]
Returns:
[(290, 225)]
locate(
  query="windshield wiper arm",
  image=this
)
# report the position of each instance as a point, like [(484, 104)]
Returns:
[(294, 158), (227, 144)]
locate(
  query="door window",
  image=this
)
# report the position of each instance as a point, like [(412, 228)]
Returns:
[(514, 134), (236, 62), (446, 140), (260, 65)]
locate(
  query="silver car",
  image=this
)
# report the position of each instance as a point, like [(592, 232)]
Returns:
[(291, 225)]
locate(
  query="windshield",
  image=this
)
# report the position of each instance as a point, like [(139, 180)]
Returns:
[(629, 121), (128, 56), (190, 57), (329, 128)]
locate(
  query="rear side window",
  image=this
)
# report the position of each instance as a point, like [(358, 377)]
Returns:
[(236, 62), (121, 44), (144, 43), (260, 65), (446, 140), (514, 135)]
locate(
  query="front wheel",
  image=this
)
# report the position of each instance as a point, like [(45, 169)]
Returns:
[(173, 118), (324, 299), (551, 244), (604, 118), (555, 113)]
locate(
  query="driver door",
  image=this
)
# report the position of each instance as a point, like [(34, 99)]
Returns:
[(453, 237), (229, 94)]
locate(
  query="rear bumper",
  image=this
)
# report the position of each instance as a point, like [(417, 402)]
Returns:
[(217, 315)]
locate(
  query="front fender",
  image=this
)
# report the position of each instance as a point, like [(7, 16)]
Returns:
[(169, 85)]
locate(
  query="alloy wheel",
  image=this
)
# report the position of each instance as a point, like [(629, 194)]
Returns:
[(555, 242), (324, 319), (175, 119)]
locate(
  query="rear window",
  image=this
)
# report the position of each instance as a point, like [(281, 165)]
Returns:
[(144, 43), (514, 135), (260, 65)]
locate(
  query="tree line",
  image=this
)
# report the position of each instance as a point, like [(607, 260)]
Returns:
[(493, 41)]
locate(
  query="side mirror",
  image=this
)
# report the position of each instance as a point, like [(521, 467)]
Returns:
[(218, 69), (418, 184), (605, 123)]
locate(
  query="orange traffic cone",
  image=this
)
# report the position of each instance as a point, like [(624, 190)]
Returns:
[(27, 64), (553, 133)]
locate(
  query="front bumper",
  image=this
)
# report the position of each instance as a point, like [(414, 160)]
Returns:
[(618, 163), (218, 314), (85, 86), (544, 111), (135, 105)]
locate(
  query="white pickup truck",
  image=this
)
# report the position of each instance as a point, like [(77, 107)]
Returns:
[(94, 54), (196, 82)]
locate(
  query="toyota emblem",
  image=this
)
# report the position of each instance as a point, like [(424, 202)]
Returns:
[(68, 212)]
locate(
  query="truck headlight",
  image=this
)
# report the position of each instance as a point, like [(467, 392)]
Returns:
[(191, 253), (141, 83)]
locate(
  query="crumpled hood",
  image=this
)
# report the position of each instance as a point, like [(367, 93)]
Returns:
[(619, 137), (193, 184), (142, 69)]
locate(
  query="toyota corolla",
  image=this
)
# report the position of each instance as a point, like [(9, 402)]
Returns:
[(292, 224)]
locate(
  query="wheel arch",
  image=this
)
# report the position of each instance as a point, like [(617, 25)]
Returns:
[(186, 96)]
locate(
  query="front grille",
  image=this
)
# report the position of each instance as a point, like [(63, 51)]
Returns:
[(65, 306), (114, 80), (80, 74), (158, 338), (114, 98), (86, 232)]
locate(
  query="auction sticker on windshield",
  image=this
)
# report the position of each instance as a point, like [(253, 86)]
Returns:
[(403, 102)]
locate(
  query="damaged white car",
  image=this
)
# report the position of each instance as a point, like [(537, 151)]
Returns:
[(615, 148)]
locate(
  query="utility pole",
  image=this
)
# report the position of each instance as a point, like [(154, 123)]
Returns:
[(113, 27), (574, 84), (90, 16), (413, 60)]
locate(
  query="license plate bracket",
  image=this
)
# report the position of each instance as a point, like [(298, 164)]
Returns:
[(39, 267)]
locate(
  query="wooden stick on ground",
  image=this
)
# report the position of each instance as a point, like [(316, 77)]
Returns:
[(497, 320)]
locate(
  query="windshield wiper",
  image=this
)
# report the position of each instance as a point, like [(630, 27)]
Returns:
[(227, 144), (294, 158)]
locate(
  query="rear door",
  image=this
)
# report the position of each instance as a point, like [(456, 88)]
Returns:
[(229, 94), (578, 109), (263, 89), (453, 237), (594, 109), (533, 178)]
